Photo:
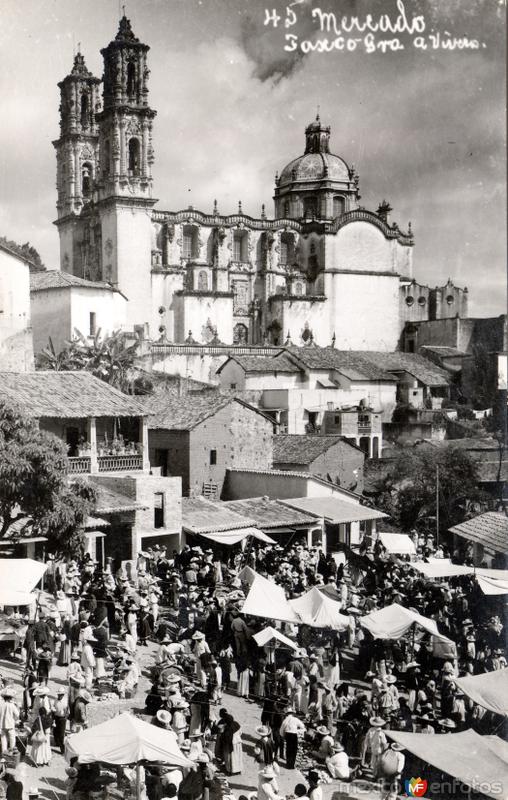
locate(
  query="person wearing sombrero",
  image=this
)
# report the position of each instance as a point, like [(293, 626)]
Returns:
[(264, 749), (374, 744), (9, 716), (267, 785), (40, 743)]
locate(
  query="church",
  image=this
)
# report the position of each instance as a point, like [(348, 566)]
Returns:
[(322, 270)]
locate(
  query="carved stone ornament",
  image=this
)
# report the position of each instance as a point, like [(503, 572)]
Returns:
[(108, 248)]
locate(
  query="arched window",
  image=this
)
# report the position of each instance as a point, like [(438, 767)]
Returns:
[(84, 110), (131, 78), (287, 249), (240, 334), (86, 179), (298, 288), (134, 156), (310, 207), (287, 208), (202, 281), (338, 206)]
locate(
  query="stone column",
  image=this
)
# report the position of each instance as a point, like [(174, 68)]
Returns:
[(92, 438), (144, 444)]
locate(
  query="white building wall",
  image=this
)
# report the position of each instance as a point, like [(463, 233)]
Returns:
[(16, 344), (366, 311), (110, 309)]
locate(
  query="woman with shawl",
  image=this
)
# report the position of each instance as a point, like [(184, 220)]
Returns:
[(232, 746)]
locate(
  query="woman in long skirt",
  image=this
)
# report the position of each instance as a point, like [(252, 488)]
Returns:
[(232, 746), (64, 654), (40, 751)]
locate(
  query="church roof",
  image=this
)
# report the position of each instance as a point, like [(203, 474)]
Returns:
[(325, 358), (315, 166), (54, 279), (66, 395), (303, 448), (264, 364)]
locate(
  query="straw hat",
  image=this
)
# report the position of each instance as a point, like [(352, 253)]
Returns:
[(322, 731), (203, 758), (186, 745), (337, 748), (447, 723), (41, 691), (72, 772), (163, 716), (390, 679), (268, 772), (262, 730), (377, 722), (396, 746), (198, 635)]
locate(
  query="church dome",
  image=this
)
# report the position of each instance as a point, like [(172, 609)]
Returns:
[(317, 163), (315, 167)]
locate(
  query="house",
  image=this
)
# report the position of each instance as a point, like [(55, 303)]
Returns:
[(106, 434), (210, 523), (63, 303), (359, 425), (420, 382), (297, 385), (337, 510), (16, 345), (488, 534), (199, 436), (287, 526), (334, 458)]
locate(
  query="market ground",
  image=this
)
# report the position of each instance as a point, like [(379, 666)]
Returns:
[(50, 780)]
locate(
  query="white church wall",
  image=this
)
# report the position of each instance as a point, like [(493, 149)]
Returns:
[(196, 313), (16, 345), (364, 311), (51, 317)]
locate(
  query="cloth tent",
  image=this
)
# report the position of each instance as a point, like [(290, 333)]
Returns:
[(319, 611), (491, 586), (237, 535), (491, 581), (18, 579), (393, 621), (126, 740), (266, 599), (481, 762), (247, 575), (397, 543), (270, 634), (489, 690)]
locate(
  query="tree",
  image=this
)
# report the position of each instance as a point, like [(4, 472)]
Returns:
[(112, 359), (410, 488), (34, 486)]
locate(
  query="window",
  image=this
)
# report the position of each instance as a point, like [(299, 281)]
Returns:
[(450, 299), (213, 457), (338, 206), (93, 323), (409, 300), (131, 78), (84, 110), (134, 156), (287, 249), (107, 158), (239, 246), (310, 207), (86, 180), (298, 288), (232, 385), (363, 419), (189, 243), (287, 209), (158, 510)]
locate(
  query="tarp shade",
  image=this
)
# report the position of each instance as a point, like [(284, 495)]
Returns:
[(490, 586), (269, 634), (489, 690), (319, 611), (126, 740), (266, 599), (247, 575), (238, 535), (491, 581), (18, 579), (478, 761), (393, 621), (398, 543)]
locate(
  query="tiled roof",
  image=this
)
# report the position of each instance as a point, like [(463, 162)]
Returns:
[(203, 516), (67, 394), (445, 352), (173, 413), (490, 529), (302, 448), (324, 358), (279, 363), (418, 366), (54, 279), (270, 513), (110, 502)]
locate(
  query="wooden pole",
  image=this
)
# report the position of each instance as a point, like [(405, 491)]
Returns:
[(437, 505), (138, 782)]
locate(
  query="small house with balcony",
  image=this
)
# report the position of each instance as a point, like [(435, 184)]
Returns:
[(359, 424), (106, 435)]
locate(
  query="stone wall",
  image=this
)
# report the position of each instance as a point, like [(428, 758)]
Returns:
[(341, 462)]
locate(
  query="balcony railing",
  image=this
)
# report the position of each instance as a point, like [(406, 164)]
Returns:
[(364, 429), (120, 463), (79, 464)]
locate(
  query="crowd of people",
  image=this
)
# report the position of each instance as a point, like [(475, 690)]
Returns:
[(324, 707)]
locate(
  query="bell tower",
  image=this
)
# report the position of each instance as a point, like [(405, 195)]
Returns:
[(123, 196), (77, 152), (126, 119)]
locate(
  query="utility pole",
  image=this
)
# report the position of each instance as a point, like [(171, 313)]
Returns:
[(437, 505)]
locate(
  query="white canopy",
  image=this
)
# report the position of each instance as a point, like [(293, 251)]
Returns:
[(247, 575), (268, 634), (491, 581), (237, 535), (392, 622), (478, 761), (266, 599), (319, 611), (489, 690), (126, 740), (398, 543), (18, 578), (491, 586)]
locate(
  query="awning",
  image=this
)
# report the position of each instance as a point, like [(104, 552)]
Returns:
[(490, 581), (269, 634), (393, 621), (326, 383), (92, 535), (478, 761), (397, 543), (125, 739), (18, 579), (334, 510), (489, 690), (490, 586), (319, 611), (235, 536), (266, 599)]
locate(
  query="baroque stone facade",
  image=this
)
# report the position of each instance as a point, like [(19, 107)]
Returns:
[(318, 270)]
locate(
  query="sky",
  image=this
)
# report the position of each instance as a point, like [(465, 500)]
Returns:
[(425, 128)]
